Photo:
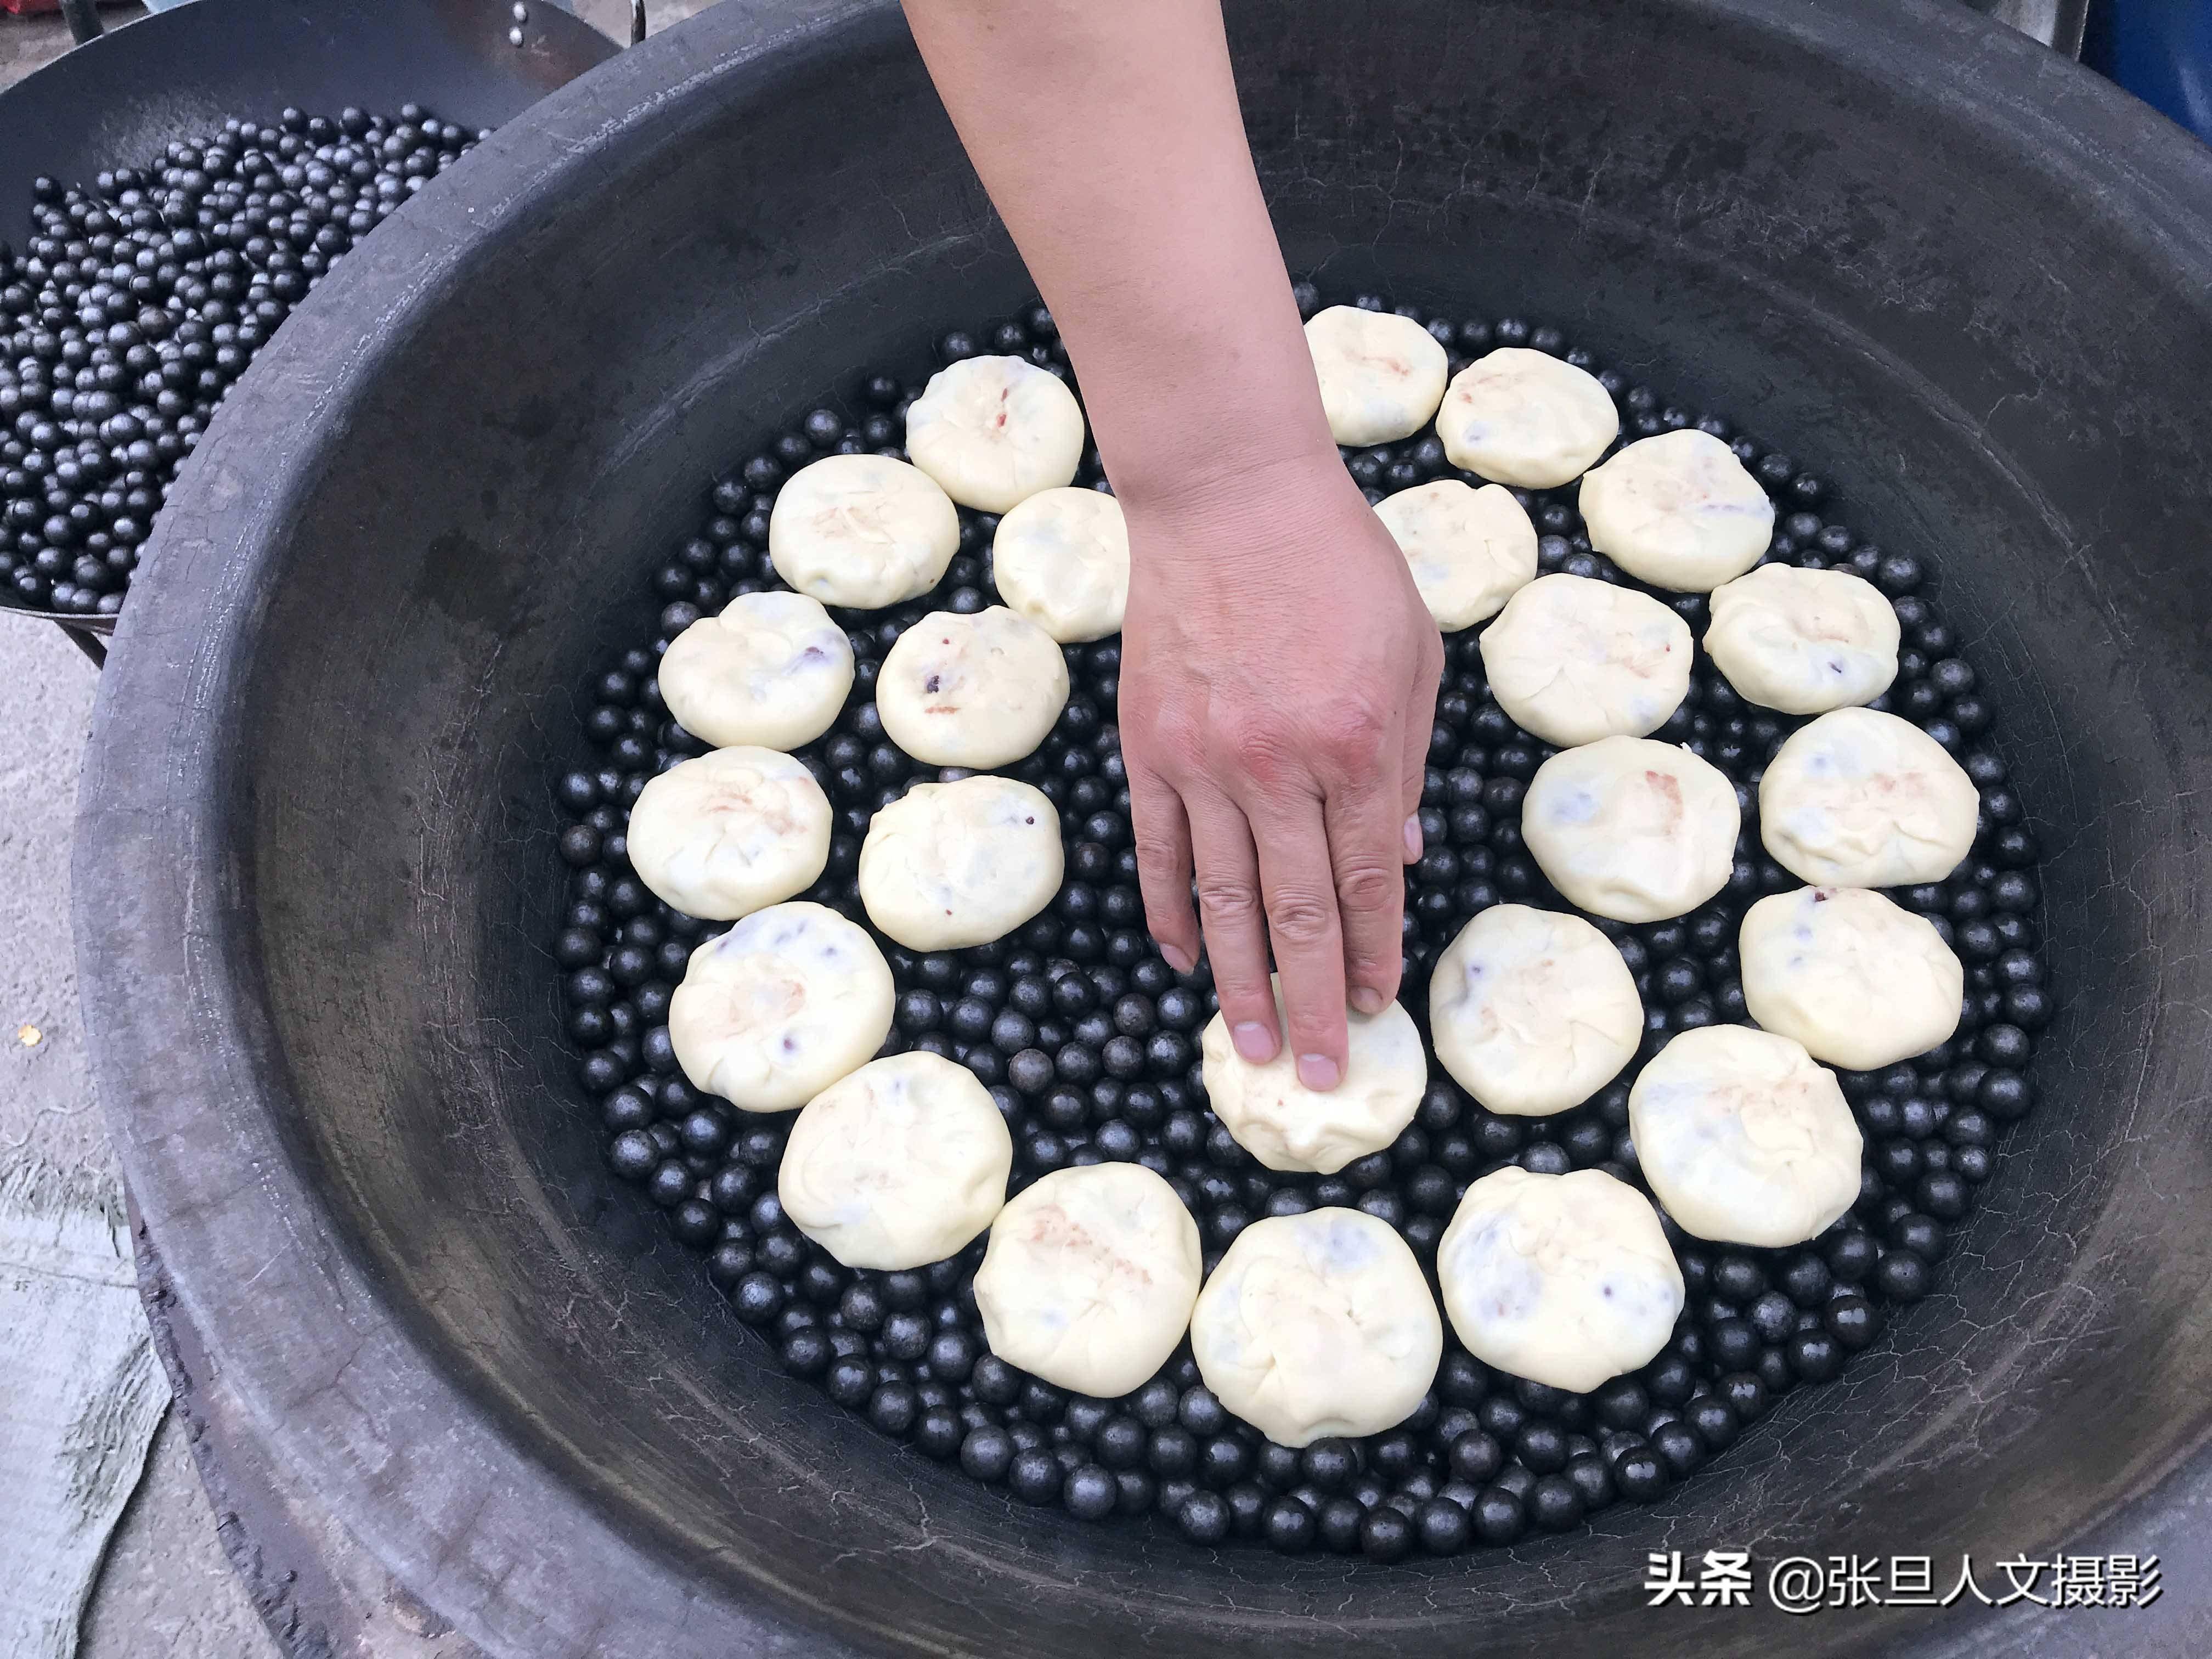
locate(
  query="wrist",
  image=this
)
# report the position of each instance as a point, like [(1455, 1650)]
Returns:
[(1203, 473), (1186, 410), (1278, 516)]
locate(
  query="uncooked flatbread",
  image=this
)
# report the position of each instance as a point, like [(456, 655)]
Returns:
[(1573, 659), (1860, 982), (948, 864), (773, 670), (978, 691), (1744, 1138), (862, 532), (1470, 550), (1565, 1279), (1382, 375), (897, 1165), (1803, 641), (1061, 559), (1533, 1012), (1090, 1278), (1632, 829), (723, 834), (994, 431), (1862, 799), (776, 1010), (1317, 1325), (1678, 511), (1287, 1126), (1523, 417)]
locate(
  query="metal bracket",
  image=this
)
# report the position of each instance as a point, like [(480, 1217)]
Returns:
[(83, 19), (2057, 23)]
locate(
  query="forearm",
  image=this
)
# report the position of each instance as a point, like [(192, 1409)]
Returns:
[(1278, 669), (1109, 136)]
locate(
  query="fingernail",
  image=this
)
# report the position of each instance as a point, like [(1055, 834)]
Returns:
[(1255, 1041), (1413, 839), (1367, 999), (1319, 1072), (1176, 959)]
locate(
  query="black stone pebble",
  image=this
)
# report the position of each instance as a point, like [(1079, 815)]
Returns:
[(139, 300), (1088, 1042)]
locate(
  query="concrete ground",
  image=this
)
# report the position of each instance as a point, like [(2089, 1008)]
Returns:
[(166, 1588)]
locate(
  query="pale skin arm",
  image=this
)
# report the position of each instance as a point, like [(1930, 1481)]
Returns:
[(1280, 670)]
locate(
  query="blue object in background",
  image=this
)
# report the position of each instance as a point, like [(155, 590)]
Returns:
[(2158, 50)]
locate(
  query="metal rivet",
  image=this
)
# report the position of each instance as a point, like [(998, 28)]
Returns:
[(515, 37)]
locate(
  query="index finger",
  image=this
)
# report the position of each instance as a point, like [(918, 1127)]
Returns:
[(1164, 866), (1298, 888)]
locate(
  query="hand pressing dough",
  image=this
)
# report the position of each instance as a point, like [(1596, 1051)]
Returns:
[(1287, 1126), (1743, 1138), (1860, 982), (1565, 1279), (862, 532), (1090, 1278), (1860, 798), (1061, 559), (1678, 511), (1382, 375), (948, 864), (1470, 550), (1803, 641), (898, 1165), (994, 431), (1632, 829), (978, 691), (1524, 417), (723, 834), (1317, 1325), (772, 670), (780, 1007), (1533, 1012), (1573, 659)]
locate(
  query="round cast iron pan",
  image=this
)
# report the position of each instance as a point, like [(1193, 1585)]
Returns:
[(117, 100), (316, 868)]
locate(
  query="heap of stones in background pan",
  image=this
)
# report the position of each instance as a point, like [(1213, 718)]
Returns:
[(138, 302), (1088, 1044)]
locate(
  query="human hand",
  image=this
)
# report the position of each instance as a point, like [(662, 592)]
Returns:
[(1278, 685)]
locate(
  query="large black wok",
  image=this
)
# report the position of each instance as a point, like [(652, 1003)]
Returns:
[(316, 871), (123, 97)]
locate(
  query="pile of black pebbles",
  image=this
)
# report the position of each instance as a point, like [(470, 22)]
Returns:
[(137, 301), (1089, 1043)]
